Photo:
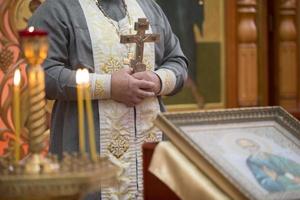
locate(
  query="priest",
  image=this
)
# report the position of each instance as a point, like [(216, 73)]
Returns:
[(86, 33)]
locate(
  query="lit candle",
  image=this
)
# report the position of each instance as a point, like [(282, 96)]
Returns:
[(79, 81), (89, 110), (16, 112)]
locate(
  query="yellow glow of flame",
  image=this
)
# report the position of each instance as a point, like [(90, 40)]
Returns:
[(31, 29), (17, 77)]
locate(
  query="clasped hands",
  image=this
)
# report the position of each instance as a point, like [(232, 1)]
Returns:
[(132, 88)]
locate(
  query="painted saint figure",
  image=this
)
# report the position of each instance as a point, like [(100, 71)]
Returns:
[(274, 173)]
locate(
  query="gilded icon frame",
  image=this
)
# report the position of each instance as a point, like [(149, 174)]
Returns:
[(175, 126)]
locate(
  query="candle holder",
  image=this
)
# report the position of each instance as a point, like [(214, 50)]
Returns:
[(34, 45), (38, 177)]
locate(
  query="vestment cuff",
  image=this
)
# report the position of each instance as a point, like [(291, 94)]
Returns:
[(100, 86), (168, 81)]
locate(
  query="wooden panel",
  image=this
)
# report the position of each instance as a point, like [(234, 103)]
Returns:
[(263, 28), (247, 75), (231, 54), (284, 55), (278, 56), (247, 54), (298, 49), (247, 62), (272, 54), (288, 67)]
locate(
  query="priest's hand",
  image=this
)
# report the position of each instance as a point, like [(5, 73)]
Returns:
[(149, 76), (129, 90)]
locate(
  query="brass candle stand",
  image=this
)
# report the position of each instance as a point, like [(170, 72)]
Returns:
[(38, 177), (69, 179)]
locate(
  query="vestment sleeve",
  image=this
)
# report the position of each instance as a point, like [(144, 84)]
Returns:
[(60, 76)]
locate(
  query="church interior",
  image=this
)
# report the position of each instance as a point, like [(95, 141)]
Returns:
[(244, 78)]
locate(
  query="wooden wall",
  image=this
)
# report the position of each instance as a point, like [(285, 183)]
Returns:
[(298, 29), (262, 48), (231, 54), (284, 56), (241, 53)]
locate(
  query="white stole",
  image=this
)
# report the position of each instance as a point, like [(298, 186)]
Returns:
[(123, 130)]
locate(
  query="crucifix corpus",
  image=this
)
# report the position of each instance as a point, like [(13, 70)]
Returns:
[(140, 38)]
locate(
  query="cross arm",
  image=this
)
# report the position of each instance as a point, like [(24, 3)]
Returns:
[(152, 38), (125, 39)]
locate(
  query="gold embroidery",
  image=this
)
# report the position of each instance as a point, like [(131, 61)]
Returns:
[(119, 146), (99, 89), (151, 137), (148, 64), (112, 65), (120, 194), (127, 60), (168, 82)]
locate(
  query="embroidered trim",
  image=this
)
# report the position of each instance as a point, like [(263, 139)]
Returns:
[(151, 137), (168, 80), (118, 146), (99, 88), (112, 65)]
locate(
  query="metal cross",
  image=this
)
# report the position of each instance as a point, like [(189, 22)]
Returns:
[(140, 38)]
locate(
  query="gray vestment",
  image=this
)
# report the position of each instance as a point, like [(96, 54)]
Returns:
[(70, 48)]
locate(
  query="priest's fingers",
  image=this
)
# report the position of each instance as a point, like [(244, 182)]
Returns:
[(129, 90), (144, 94), (145, 84), (128, 70), (140, 76), (149, 76)]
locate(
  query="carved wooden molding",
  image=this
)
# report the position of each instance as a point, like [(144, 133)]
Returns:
[(288, 66), (247, 53)]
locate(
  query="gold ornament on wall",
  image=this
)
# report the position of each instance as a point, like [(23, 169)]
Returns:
[(14, 17)]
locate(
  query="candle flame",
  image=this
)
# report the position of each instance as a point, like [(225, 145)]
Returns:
[(79, 77), (17, 77), (82, 76), (85, 76), (31, 29)]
